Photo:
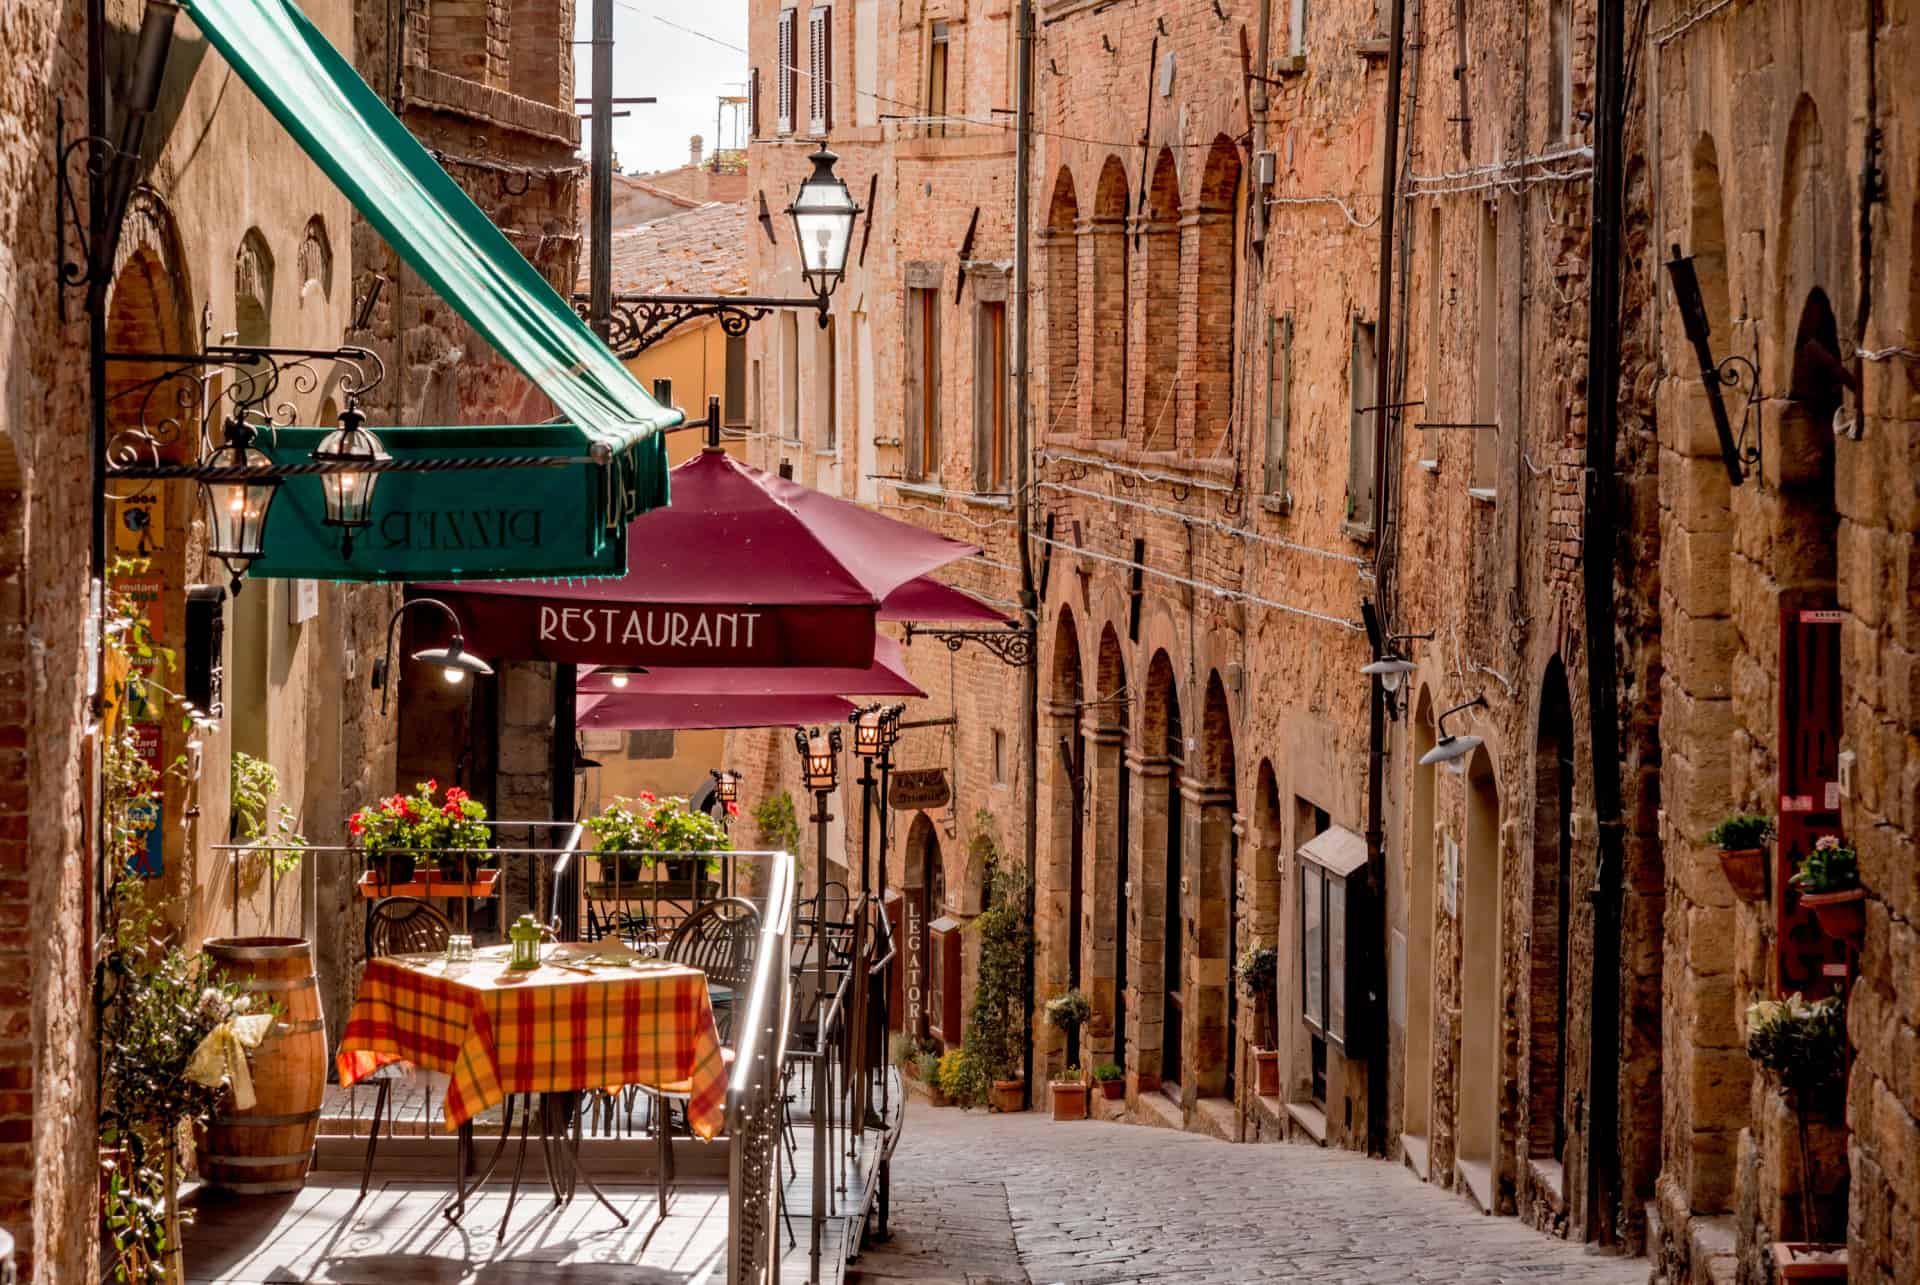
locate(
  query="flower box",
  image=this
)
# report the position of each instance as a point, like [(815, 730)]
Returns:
[(1802, 1261), (1842, 915), (1266, 1072), (1006, 1096), (1069, 1099), (428, 883)]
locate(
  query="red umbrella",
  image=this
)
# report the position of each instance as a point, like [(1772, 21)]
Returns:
[(742, 568), (634, 711), (887, 676)]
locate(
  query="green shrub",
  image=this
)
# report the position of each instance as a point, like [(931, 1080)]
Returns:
[(1803, 1045), (928, 1067), (961, 1077), (996, 1032), (1741, 831), (1258, 969), (778, 824), (1070, 1011), (1107, 1071)]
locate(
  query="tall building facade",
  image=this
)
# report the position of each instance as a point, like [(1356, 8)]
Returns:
[(1508, 962)]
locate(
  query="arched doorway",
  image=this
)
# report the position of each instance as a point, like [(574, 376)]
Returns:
[(1477, 1126), (1422, 878), (1552, 860), (1064, 940), (1214, 996), (1162, 841), (1109, 803), (1263, 924), (925, 896)]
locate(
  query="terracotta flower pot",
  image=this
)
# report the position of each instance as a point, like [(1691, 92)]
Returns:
[(1006, 1095), (1069, 1099), (1746, 870), (1842, 915), (1799, 1261), (1266, 1066), (392, 867), (1113, 1090), (935, 1097)]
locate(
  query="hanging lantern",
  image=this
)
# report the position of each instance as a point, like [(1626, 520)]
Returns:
[(726, 785), (819, 759), (869, 730), (890, 726), (349, 493), (823, 212), (237, 507)]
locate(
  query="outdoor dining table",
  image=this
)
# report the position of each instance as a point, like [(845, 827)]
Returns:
[(579, 1022)]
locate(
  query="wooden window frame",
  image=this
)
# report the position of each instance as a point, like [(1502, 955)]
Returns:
[(1279, 403), (920, 433), (1362, 517)]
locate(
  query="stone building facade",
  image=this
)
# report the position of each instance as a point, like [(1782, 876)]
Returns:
[(1206, 265)]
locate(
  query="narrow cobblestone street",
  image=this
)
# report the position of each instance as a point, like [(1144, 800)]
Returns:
[(983, 1199)]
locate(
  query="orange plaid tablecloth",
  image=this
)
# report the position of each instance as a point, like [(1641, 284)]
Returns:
[(496, 1032)]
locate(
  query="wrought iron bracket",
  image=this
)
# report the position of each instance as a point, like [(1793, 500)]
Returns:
[(640, 321), (1728, 372), (1013, 645)]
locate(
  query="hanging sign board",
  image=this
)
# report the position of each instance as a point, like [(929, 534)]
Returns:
[(140, 522), (450, 524), (919, 789)]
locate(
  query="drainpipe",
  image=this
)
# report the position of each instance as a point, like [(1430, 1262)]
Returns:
[(1257, 100), (1023, 456), (1376, 708), (1598, 536)]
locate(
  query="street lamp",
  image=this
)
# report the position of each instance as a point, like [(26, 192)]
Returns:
[(620, 675), (455, 661), (823, 211), (869, 730), (1391, 670), (819, 759), (726, 785), (237, 507), (349, 493)]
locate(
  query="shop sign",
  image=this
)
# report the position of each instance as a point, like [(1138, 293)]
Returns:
[(919, 789), (141, 526)]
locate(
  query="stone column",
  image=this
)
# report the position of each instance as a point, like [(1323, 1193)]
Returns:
[(1146, 927), (1106, 747), (1207, 902)]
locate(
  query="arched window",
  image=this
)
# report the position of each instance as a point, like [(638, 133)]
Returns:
[(1159, 338), (1216, 300), (1063, 309), (1103, 278)]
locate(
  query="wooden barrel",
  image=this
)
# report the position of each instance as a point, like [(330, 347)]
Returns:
[(269, 1147)]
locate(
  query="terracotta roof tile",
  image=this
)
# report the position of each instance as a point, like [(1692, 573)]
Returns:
[(698, 251)]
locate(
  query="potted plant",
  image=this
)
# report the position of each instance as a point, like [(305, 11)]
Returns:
[(1112, 1081), (1742, 839), (926, 1069), (1068, 1012), (640, 833), (1829, 883), (959, 1077), (996, 1033), (1069, 1095), (1803, 1048), (1258, 971), (403, 833)]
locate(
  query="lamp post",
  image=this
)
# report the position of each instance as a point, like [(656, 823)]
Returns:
[(823, 211), (869, 734), (726, 792)]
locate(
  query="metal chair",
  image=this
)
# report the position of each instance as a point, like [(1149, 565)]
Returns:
[(721, 939), (397, 926)]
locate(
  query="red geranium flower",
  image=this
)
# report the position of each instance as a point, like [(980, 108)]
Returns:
[(733, 809), (646, 796)]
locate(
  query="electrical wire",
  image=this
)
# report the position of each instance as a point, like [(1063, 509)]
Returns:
[(1223, 527), (1680, 26), (1346, 210), (1143, 475)]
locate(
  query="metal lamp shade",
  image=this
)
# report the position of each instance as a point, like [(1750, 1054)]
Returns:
[(455, 661), (237, 509), (1390, 670), (349, 493), (1451, 749), (823, 212)]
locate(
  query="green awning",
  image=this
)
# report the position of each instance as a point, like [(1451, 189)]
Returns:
[(451, 523), (431, 223)]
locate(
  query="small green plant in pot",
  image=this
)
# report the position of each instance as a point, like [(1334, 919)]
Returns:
[(1828, 881), (1258, 972), (1742, 839), (1802, 1047), (1111, 1079)]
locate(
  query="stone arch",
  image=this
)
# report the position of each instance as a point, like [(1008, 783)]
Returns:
[(1157, 333), (1423, 877), (1479, 1063), (1065, 890), (1213, 911), (1109, 785), (1817, 385), (1105, 292), (316, 260), (1158, 941), (1062, 267), (1551, 911), (1806, 252), (1707, 233), (253, 289), (1213, 300)]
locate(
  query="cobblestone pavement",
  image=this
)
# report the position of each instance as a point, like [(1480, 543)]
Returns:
[(1110, 1203)]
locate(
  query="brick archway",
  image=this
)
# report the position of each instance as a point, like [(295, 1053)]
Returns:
[(1212, 909), (1061, 253), (1109, 787), (1159, 860), (1063, 746), (1103, 283), (1158, 334), (1211, 278)]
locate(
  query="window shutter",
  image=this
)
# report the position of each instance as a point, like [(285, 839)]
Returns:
[(1279, 399), (785, 74), (753, 102), (982, 398), (1360, 372), (914, 465), (819, 69)]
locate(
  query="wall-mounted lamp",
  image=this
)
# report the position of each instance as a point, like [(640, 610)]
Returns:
[(455, 661), (349, 494), (1734, 452), (1454, 749), (237, 507)]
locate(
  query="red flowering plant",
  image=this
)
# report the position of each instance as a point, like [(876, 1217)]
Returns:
[(636, 833), (420, 829)]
